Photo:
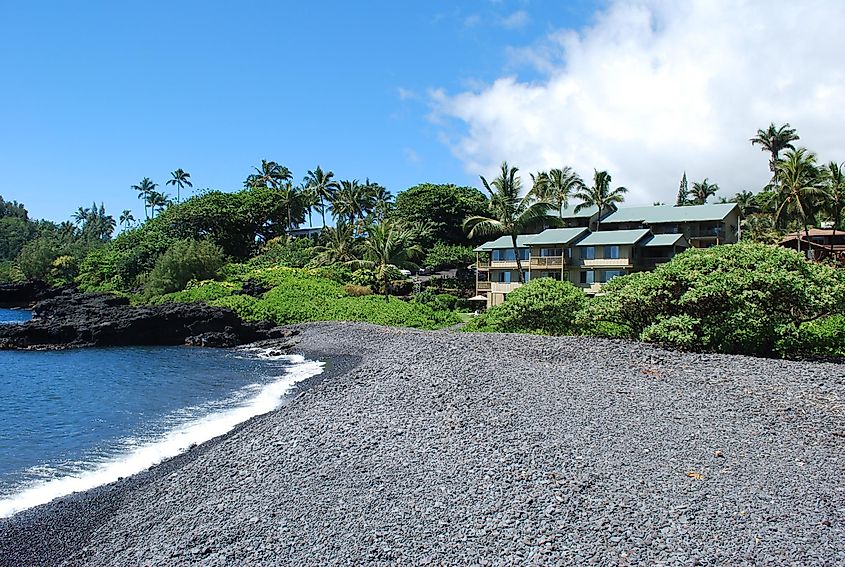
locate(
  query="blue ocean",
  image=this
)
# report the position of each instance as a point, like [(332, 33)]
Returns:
[(75, 419)]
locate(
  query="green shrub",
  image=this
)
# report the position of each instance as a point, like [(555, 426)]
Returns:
[(441, 301), (184, 261), (206, 291), (542, 306), (339, 273), (292, 253), (824, 337), (445, 256), (741, 298)]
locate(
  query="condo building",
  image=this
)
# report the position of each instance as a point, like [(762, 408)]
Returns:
[(591, 251)]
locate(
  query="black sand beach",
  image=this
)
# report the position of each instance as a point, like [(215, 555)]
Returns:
[(448, 448)]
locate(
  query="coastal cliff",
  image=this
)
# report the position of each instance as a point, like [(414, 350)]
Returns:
[(73, 319)]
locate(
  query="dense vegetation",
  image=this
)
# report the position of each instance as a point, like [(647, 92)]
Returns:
[(241, 249), (745, 298)]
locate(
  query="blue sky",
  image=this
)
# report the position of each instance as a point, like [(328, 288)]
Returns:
[(96, 96)]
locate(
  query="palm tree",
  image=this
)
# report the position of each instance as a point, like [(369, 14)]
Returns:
[(798, 190), (747, 203), (351, 201), (600, 195), (126, 218), (180, 179), (293, 204), (387, 246), (270, 174), (310, 200), (833, 179), (380, 201), (324, 186), (157, 202), (339, 245), (510, 214), (774, 140), (556, 187), (144, 189), (703, 190)]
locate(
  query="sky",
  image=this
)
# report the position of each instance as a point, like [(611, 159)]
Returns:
[(94, 96)]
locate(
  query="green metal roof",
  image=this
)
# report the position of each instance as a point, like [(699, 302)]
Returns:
[(569, 212), (669, 213), (556, 236), (667, 240), (505, 242), (614, 237)]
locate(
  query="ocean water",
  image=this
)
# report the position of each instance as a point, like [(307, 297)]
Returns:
[(13, 316), (72, 420)]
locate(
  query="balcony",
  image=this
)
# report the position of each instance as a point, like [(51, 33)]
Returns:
[(547, 261), (482, 286), (607, 263), (483, 264), (504, 264), (500, 287)]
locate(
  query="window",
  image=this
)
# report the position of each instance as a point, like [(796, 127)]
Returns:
[(546, 252), (568, 253), (505, 277), (611, 252), (610, 274), (588, 253), (588, 277), (526, 276)]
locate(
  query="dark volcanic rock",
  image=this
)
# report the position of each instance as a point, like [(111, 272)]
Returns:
[(26, 294), (89, 319)]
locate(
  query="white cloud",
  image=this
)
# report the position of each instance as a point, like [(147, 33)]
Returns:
[(411, 156), (516, 20), (405, 94), (655, 88)]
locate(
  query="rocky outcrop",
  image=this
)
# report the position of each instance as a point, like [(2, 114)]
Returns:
[(26, 294), (87, 319)]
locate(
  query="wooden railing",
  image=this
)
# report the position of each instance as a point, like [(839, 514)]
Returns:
[(546, 261), (614, 262), (483, 286)]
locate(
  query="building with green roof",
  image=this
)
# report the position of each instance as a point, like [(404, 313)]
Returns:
[(701, 225), (630, 239)]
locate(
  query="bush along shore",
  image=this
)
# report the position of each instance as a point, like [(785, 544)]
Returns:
[(463, 448)]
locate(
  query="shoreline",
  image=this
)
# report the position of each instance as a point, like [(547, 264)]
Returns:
[(420, 447), (65, 524)]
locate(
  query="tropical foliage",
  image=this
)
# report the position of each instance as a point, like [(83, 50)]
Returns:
[(510, 212)]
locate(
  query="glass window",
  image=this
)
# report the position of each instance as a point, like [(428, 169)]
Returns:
[(588, 253), (588, 277), (497, 255), (551, 252), (506, 277), (610, 274), (611, 251), (524, 253), (568, 253), (509, 256), (526, 276)]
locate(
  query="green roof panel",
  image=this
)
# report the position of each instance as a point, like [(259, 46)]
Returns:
[(671, 214), (505, 242), (556, 236), (569, 212), (667, 240), (614, 237)]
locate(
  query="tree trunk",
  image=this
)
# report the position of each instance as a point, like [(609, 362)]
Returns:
[(518, 261), (323, 212)]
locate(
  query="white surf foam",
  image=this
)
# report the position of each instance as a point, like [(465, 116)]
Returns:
[(143, 455)]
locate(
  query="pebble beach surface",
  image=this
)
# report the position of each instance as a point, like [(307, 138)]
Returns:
[(455, 448)]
